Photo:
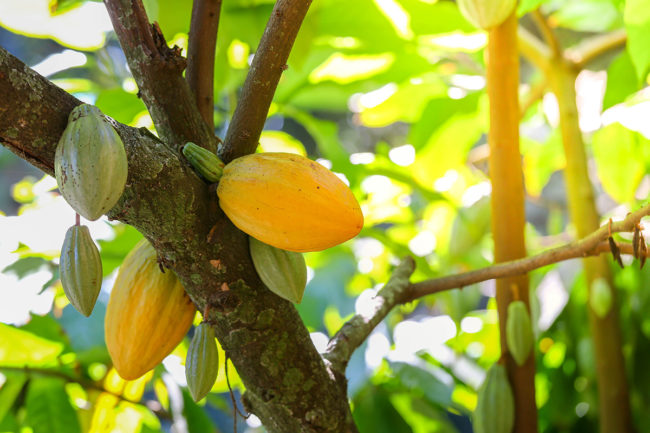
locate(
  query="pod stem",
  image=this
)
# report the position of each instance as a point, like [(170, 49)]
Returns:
[(77, 219)]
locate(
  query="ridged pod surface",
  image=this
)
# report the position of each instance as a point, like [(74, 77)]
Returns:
[(288, 201), (80, 267), (148, 313), (486, 14), (202, 362), (206, 163), (495, 408), (519, 332), (283, 272), (90, 163)]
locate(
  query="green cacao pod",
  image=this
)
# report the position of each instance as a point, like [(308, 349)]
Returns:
[(519, 332), (600, 297), (206, 163), (486, 14), (90, 163), (202, 362), (80, 267), (495, 408), (283, 272), (148, 313), (288, 201)]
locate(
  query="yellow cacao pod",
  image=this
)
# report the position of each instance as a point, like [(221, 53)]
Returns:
[(148, 313), (288, 201), (495, 408), (519, 332), (486, 14)]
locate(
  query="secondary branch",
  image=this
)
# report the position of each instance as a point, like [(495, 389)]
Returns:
[(268, 64), (200, 55), (394, 293), (158, 71)]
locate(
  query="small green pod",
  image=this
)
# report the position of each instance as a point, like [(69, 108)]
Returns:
[(80, 267), (206, 163), (495, 408), (600, 297), (283, 272), (90, 163), (202, 362), (519, 332)]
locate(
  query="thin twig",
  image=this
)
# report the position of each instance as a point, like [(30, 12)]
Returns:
[(592, 48), (396, 292), (533, 49), (547, 32), (200, 55), (357, 329), (268, 64)]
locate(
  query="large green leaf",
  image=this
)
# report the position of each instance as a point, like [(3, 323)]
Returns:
[(619, 154), (19, 348), (637, 24), (374, 413), (48, 407), (415, 378), (14, 382), (622, 80)]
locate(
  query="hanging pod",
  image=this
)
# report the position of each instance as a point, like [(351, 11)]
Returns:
[(148, 313), (80, 267), (202, 362), (283, 272)]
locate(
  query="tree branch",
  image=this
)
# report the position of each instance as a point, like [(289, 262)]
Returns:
[(533, 49), (200, 55), (549, 34), (592, 48), (268, 64), (286, 381), (158, 71), (356, 330), (395, 292)]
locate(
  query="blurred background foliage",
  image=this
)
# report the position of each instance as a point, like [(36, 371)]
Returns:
[(389, 94)]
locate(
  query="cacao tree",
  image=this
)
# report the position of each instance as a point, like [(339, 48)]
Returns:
[(458, 143)]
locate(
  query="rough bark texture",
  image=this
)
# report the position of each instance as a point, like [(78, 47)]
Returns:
[(288, 386), (507, 202)]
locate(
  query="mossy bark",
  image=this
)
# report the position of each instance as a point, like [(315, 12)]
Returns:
[(288, 386)]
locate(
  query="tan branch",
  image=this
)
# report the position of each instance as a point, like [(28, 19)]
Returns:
[(200, 55), (533, 49), (594, 47)]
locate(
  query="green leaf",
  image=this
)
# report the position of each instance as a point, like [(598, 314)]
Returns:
[(48, 407), (120, 105), (588, 16), (197, 420), (114, 251), (26, 266), (622, 80), (526, 6), (10, 389), (23, 349), (619, 156), (416, 378), (374, 413), (637, 24)]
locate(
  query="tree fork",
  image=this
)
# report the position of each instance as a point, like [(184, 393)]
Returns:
[(614, 400), (507, 203)]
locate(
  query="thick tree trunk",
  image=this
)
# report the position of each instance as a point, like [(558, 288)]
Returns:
[(287, 383)]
